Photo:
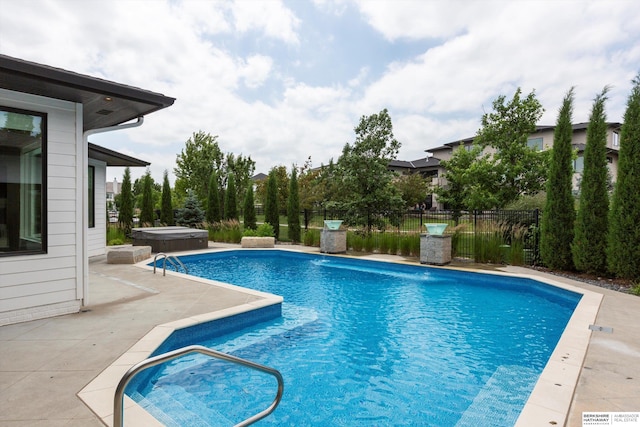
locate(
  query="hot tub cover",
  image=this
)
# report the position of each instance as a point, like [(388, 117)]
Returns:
[(168, 233)]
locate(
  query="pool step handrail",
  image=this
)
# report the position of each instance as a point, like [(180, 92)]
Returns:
[(172, 259), (118, 399)]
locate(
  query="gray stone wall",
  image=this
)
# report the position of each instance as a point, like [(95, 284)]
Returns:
[(435, 249)]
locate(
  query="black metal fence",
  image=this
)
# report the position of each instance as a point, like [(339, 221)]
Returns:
[(495, 236), (502, 236)]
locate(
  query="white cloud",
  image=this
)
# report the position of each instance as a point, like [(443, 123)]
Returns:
[(272, 17), (228, 64), (335, 7), (255, 70), (411, 19), (526, 44)]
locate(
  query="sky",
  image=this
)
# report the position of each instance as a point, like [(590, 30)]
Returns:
[(285, 81)]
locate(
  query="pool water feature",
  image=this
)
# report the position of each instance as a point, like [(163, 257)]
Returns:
[(436, 229), (366, 343)]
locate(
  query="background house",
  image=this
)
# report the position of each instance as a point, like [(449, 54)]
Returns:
[(542, 139), (52, 206)]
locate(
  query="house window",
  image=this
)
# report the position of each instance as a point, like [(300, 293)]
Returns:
[(23, 211), (92, 196), (578, 164), (616, 139), (535, 143)]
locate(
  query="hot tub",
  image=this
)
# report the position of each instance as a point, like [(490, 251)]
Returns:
[(170, 239)]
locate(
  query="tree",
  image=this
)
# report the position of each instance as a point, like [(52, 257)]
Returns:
[(282, 178), (590, 239), (166, 211), (230, 204), (308, 185), (125, 213), (271, 210), (293, 208), (516, 169), (242, 169), (624, 234), (147, 215), (558, 216), (213, 200), (192, 214), (138, 192), (470, 183), (200, 157), (363, 171), (412, 188), (249, 209), (194, 165), (328, 186)]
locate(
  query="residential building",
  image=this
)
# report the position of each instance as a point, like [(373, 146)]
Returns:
[(52, 194), (541, 139)]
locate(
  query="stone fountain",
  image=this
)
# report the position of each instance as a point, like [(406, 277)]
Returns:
[(435, 247), (333, 240)]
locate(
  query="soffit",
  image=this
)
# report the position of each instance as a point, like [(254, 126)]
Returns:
[(105, 103)]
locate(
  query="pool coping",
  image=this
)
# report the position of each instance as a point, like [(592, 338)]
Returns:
[(548, 404), (99, 394)]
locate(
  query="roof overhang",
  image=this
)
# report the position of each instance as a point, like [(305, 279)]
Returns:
[(105, 103), (113, 158)]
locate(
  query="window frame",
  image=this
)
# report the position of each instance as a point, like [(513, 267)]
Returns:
[(91, 200), (26, 168)]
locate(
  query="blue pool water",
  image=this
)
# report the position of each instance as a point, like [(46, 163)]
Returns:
[(362, 343)]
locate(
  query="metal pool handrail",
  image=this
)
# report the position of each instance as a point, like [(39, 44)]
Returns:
[(118, 406), (169, 258)]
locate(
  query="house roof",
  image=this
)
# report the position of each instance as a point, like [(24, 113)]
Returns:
[(113, 158), (539, 128), (415, 164), (105, 103)]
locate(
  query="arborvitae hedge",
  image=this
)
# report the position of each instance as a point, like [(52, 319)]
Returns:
[(559, 213), (624, 235), (249, 209), (147, 215), (271, 212), (590, 240), (213, 199), (230, 204), (125, 210), (166, 211), (293, 208)]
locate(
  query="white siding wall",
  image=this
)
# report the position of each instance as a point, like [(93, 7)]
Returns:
[(36, 286), (97, 236)]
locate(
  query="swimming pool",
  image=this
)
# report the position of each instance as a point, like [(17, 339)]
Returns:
[(369, 343)]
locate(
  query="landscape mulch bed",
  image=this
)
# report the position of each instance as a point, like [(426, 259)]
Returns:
[(615, 284)]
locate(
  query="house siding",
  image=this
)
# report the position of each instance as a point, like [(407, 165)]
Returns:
[(38, 286)]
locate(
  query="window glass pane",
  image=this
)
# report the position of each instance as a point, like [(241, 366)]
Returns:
[(535, 143), (22, 184), (92, 196), (578, 164)]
